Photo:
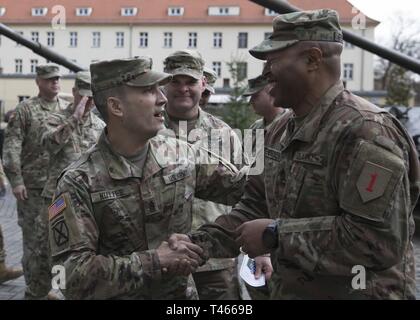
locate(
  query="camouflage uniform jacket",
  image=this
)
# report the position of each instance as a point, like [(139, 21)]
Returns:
[(261, 125), (25, 161), (66, 139), (208, 211), (108, 217), (342, 188), (2, 174)]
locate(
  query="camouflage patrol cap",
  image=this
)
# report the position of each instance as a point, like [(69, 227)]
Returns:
[(211, 77), (185, 62), (255, 85), (134, 72), (48, 71), (83, 83), (288, 29)]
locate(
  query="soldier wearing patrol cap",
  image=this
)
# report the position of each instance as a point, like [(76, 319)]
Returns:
[(116, 206), (69, 133), (211, 78), (334, 207), (26, 164), (262, 103), (183, 114)]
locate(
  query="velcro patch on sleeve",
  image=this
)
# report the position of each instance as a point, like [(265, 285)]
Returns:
[(57, 207), (373, 181), (370, 181)]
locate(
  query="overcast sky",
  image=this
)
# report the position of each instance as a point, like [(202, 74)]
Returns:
[(385, 10)]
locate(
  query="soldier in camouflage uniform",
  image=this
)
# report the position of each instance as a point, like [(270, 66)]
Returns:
[(115, 207), (25, 164), (262, 103), (335, 206), (211, 78), (6, 273), (69, 133), (217, 278)]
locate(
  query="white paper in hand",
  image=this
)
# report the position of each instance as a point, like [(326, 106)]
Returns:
[(247, 273)]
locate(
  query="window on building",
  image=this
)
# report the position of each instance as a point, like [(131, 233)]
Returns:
[(129, 12), (2, 11), (120, 39), (96, 39), (269, 12), (35, 36), (224, 11), (50, 38), (175, 11), (39, 11), (226, 83), (242, 70), (348, 71), (82, 12), (192, 39), (18, 66), (34, 64), (267, 35), (217, 39), (167, 39), (217, 67), (348, 45), (243, 40), (144, 39), (73, 39)]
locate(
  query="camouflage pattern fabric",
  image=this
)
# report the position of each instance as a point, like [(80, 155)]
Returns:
[(66, 139), (109, 217), (32, 218), (26, 163), (342, 188), (209, 285)]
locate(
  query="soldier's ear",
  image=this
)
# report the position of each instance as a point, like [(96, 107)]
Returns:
[(313, 58), (114, 106)]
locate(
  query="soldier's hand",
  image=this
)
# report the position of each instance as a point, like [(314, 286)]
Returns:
[(263, 266), (182, 261), (20, 192), (81, 108), (175, 238), (250, 237)]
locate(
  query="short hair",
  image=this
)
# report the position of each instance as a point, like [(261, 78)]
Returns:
[(102, 96)]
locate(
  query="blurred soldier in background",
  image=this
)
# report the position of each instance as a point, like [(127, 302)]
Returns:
[(26, 164)]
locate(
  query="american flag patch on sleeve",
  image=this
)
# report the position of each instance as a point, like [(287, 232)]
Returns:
[(58, 206)]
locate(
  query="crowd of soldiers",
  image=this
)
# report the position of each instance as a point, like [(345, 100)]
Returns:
[(121, 186)]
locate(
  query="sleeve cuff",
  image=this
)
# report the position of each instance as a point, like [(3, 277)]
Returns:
[(150, 264)]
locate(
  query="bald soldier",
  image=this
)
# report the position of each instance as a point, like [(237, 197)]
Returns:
[(26, 164), (183, 114), (116, 206), (335, 206), (69, 133)]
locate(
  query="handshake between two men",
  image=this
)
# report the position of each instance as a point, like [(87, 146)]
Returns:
[(179, 256)]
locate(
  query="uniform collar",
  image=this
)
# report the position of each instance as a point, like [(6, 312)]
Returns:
[(311, 123), (119, 168)]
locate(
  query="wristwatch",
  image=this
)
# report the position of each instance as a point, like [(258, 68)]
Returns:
[(270, 236)]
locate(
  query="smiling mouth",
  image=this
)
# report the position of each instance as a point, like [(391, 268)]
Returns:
[(158, 114)]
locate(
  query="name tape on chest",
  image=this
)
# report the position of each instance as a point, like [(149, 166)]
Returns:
[(176, 176), (109, 194), (272, 154)]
